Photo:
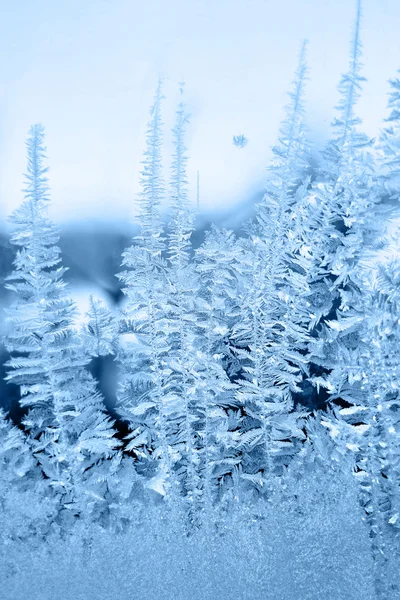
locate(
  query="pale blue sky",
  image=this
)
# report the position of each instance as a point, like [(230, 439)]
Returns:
[(87, 70)]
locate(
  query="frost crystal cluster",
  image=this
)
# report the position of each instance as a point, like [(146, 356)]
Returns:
[(256, 437)]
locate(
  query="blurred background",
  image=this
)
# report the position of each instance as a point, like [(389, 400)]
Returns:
[(88, 71)]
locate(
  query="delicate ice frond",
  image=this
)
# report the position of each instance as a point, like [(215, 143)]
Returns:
[(55, 385), (240, 141), (100, 331)]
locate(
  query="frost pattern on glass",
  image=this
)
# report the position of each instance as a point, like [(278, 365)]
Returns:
[(254, 449)]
